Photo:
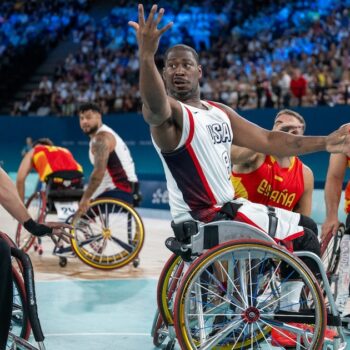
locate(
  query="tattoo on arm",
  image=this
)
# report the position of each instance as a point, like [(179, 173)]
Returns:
[(100, 151)]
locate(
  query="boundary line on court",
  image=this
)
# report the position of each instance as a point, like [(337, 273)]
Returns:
[(96, 334)]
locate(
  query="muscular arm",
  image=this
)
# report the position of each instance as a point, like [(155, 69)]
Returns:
[(281, 144), (333, 188), (23, 171), (162, 113), (242, 155), (102, 145), (10, 200), (304, 206)]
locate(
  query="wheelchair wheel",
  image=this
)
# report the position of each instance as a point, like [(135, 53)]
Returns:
[(330, 251), (168, 282), (159, 330), (20, 326), (230, 298), (109, 235), (36, 205)]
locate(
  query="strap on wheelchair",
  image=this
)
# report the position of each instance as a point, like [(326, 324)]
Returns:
[(273, 221), (228, 211), (184, 230)]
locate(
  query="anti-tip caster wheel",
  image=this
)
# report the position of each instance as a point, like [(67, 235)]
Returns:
[(170, 345), (63, 262), (136, 262)]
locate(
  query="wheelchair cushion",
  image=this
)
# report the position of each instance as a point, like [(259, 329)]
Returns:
[(65, 195)]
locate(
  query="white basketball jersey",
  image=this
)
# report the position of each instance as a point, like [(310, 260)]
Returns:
[(198, 171), (120, 167)]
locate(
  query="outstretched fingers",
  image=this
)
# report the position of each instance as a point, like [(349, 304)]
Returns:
[(134, 25), (165, 28), (158, 20), (150, 19), (141, 15), (159, 17)]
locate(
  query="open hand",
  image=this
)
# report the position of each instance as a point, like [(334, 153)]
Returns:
[(60, 230), (330, 225), (339, 140), (147, 33)]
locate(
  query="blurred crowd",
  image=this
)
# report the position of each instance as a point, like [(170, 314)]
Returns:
[(279, 54), (27, 22)]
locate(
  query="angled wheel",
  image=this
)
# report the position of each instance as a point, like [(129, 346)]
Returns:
[(109, 235), (20, 326), (230, 298), (159, 330), (36, 205), (168, 283), (330, 250)]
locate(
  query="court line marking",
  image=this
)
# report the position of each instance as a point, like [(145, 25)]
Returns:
[(100, 280), (96, 334)]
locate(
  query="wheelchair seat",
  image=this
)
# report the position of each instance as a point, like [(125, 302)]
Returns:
[(65, 186), (64, 175)]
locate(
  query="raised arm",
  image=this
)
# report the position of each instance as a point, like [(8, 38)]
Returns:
[(282, 144), (160, 111), (102, 144), (24, 169), (243, 156), (333, 188)]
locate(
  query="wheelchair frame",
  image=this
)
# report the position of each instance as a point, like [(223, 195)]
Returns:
[(131, 246), (242, 233), (23, 277)]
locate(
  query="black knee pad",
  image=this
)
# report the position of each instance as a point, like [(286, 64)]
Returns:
[(309, 223), (308, 241)]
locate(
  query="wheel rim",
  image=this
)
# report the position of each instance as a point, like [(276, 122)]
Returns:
[(19, 320), (36, 208), (212, 315), (109, 235), (167, 286)]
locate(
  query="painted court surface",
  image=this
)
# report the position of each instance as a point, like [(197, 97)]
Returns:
[(82, 308)]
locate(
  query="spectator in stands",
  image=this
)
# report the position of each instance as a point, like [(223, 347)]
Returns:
[(256, 74), (298, 86)]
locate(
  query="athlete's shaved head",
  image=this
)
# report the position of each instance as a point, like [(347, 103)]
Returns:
[(184, 48)]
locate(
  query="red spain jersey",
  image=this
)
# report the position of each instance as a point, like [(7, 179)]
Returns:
[(49, 159), (272, 185)]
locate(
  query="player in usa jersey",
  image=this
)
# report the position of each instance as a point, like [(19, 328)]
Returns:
[(193, 138)]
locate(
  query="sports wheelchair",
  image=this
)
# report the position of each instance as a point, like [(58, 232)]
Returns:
[(108, 236), (228, 293), (24, 309)]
